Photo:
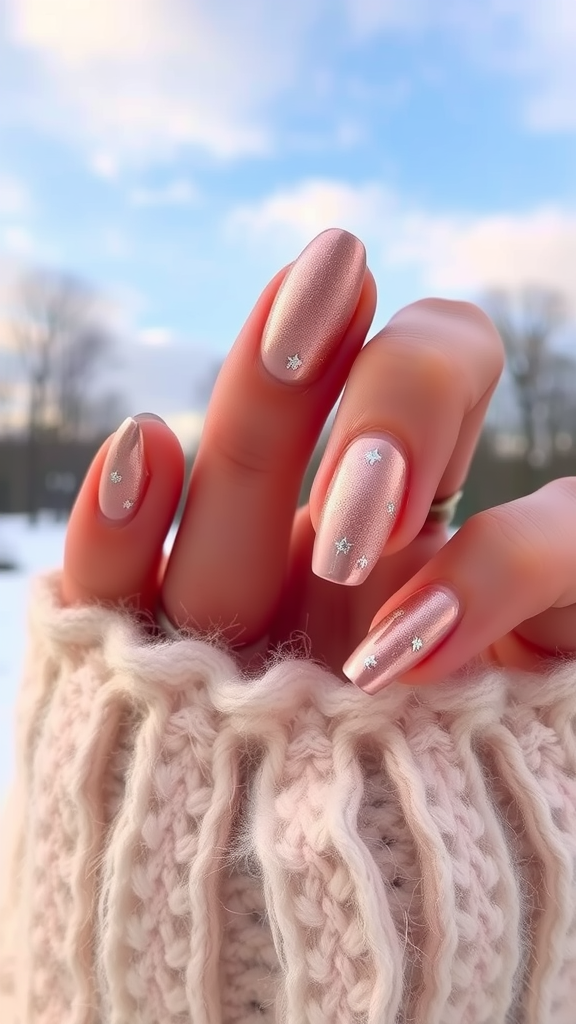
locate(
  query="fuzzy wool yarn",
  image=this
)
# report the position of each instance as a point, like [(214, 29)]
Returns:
[(186, 846)]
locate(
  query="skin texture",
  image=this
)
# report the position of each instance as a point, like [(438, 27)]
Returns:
[(243, 554)]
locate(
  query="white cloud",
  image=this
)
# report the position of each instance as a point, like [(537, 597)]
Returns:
[(457, 254), (104, 166), (476, 252), (180, 192), (14, 197), (295, 215), (188, 427), (531, 40), (141, 78), (17, 240), (156, 336), (550, 51), (138, 80)]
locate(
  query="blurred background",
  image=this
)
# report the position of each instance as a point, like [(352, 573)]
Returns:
[(161, 159)]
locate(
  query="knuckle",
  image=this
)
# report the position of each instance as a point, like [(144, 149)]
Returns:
[(564, 487), (437, 375), (440, 324), (432, 369), (244, 452), (453, 308), (457, 309), (515, 534)]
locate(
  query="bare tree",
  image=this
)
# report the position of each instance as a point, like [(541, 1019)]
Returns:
[(80, 358), (62, 340), (562, 390), (105, 413), (541, 376)]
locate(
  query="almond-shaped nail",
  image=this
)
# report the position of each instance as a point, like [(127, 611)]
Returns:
[(360, 509), (124, 473), (313, 307), (403, 638)]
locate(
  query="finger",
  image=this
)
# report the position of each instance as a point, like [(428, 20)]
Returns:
[(271, 400), (405, 432), (122, 514), (504, 570)]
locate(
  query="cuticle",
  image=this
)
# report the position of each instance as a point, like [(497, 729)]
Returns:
[(383, 435)]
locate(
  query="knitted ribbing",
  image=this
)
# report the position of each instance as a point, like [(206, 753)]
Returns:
[(187, 846)]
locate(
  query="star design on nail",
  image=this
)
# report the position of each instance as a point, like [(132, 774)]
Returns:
[(342, 546), (115, 476), (373, 456), (128, 503), (391, 507), (417, 643), (370, 661), (362, 562), (293, 362)]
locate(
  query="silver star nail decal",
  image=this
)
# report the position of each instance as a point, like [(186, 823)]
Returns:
[(128, 503), (370, 661), (417, 643), (293, 362), (362, 562), (391, 508), (115, 476), (373, 456), (342, 546)]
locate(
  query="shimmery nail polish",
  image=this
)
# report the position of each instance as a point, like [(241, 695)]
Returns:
[(403, 638), (360, 510), (124, 473), (313, 307)]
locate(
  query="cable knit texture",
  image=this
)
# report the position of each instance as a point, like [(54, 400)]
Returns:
[(186, 846)]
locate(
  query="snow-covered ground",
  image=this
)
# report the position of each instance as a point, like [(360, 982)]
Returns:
[(34, 549)]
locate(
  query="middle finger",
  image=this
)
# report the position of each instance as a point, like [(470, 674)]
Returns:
[(404, 435), (270, 402)]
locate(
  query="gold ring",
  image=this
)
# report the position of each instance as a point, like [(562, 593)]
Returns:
[(444, 511)]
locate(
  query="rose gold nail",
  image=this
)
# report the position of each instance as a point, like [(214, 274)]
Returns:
[(360, 510), (403, 638), (313, 307), (124, 473)]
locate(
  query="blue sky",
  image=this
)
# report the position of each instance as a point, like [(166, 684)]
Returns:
[(176, 153)]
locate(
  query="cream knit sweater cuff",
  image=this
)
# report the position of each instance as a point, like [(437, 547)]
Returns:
[(185, 846)]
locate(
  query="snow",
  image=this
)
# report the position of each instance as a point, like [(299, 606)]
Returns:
[(34, 549)]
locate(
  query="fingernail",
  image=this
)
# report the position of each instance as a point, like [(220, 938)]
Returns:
[(313, 307), (403, 638), (124, 473), (150, 416), (360, 510)]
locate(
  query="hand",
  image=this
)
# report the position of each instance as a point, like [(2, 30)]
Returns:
[(503, 587)]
